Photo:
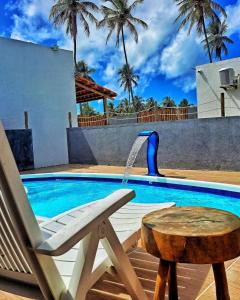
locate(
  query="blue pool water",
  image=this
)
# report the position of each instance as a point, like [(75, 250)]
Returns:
[(50, 197)]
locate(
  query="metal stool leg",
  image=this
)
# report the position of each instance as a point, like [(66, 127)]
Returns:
[(161, 281), (221, 281)]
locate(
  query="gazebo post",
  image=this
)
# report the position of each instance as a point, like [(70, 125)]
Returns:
[(80, 106), (105, 109)]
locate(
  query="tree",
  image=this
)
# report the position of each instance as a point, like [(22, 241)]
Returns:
[(124, 107), (67, 12), (119, 16), (87, 110), (127, 79), (168, 102), (196, 12), (217, 38), (184, 103), (110, 107), (138, 103), (151, 104), (84, 70)]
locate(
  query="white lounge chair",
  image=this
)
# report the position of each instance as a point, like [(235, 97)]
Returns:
[(126, 222), (60, 255)]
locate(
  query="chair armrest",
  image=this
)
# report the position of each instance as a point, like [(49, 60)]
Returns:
[(71, 234)]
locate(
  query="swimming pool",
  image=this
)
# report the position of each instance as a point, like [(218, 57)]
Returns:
[(53, 194)]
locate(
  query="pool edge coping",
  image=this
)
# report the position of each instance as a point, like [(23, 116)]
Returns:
[(177, 181)]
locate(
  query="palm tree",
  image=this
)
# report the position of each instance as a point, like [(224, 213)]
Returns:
[(151, 104), (217, 38), (88, 110), (67, 12), (168, 102), (124, 107), (127, 79), (184, 103), (117, 18), (110, 107), (196, 12), (138, 103), (84, 70)]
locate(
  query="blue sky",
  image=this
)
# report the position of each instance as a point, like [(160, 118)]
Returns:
[(164, 58)]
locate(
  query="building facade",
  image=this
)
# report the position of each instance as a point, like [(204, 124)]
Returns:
[(37, 87), (214, 98)]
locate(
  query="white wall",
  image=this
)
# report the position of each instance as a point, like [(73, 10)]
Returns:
[(209, 91), (38, 80)]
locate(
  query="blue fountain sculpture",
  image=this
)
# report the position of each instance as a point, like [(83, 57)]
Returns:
[(152, 149)]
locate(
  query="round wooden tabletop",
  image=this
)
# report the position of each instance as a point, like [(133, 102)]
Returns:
[(192, 235)]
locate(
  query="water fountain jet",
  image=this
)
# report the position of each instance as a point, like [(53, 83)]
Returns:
[(152, 149)]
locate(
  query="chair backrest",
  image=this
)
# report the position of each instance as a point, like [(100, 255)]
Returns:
[(20, 233)]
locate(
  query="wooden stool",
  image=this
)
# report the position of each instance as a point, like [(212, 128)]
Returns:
[(196, 235)]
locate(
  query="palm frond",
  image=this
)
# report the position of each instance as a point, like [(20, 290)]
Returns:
[(112, 2), (135, 4), (118, 31), (225, 49), (109, 35), (90, 5), (139, 22), (90, 16), (85, 24), (227, 40), (133, 30), (118, 15), (218, 7)]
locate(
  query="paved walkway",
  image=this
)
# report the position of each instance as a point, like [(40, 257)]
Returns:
[(205, 175)]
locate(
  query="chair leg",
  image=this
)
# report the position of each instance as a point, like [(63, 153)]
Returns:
[(172, 282), (221, 281), (162, 277), (122, 264), (81, 279)]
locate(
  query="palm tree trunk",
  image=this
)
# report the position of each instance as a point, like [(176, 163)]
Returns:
[(206, 37), (75, 41), (126, 59), (124, 48), (75, 52), (220, 54), (129, 95), (131, 91)]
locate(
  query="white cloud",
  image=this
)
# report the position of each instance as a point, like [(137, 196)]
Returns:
[(181, 55), (233, 12), (110, 71), (32, 23), (161, 27), (159, 50), (31, 10), (186, 83), (31, 31)]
